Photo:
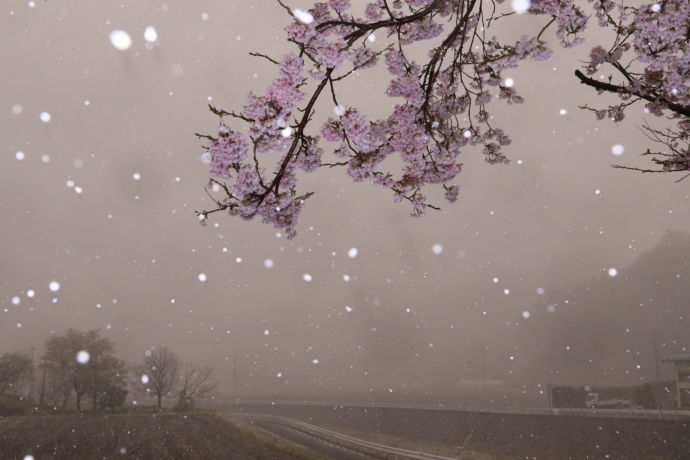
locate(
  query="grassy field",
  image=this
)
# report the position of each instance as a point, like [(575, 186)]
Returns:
[(140, 436)]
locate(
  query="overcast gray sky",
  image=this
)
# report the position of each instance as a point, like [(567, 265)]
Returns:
[(127, 253)]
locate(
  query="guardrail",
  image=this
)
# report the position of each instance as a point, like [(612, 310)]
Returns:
[(339, 438), (665, 414)]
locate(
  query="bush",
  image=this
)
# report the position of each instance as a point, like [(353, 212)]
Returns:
[(14, 405)]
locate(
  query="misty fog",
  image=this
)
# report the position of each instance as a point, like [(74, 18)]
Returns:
[(487, 301)]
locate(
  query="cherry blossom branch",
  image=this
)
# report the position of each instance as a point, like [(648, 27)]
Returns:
[(679, 109)]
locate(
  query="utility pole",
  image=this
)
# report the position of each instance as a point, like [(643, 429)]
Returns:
[(484, 373), (43, 385), (31, 382), (656, 358), (234, 377)]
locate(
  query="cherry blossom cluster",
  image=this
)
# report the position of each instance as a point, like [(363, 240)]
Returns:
[(650, 59), (441, 106)]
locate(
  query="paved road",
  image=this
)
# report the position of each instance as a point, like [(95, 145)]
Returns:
[(332, 443), (311, 442)]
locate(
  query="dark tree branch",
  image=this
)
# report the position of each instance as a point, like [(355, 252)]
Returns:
[(679, 109)]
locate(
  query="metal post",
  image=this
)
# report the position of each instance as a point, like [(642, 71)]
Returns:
[(656, 358), (484, 373), (234, 376)]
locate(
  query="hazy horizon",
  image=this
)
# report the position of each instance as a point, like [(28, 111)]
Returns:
[(426, 295)]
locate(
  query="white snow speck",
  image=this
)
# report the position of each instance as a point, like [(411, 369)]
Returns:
[(30, 293), (204, 16), (520, 6), (120, 39), (656, 7), (506, 291), (83, 357), (540, 291), (279, 374), (205, 158), (307, 277), (339, 110), (509, 82), (45, 117), (19, 156), (144, 379), (16, 300), (617, 150), (551, 308), (303, 16), (348, 308), (202, 277), (267, 332), (78, 189), (315, 361), (45, 158), (17, 109), (136, 176), (613, 272), (467, 134), (54, 286), (563, 112), (525, 314), (495, 280), (352, 253), (437, 249), (268, 263), (28, 457), (286, 132), (346, 278), (150, 34), (371, 38)]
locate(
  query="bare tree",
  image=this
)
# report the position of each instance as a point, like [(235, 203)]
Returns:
[(16, 370), (159, 371), (195, 384), (82, 363)]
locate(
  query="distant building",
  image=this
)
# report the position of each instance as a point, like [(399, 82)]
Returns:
[(681, 364)]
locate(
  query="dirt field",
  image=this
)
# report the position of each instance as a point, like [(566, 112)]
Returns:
[(139, 436)]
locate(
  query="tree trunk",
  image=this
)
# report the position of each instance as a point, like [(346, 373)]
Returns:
[(159, 400), (78, 402), (43, 386)]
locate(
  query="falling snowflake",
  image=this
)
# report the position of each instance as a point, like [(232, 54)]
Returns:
[(83, 357), (303, 16), (150, 34), (520, 6), (120, 40)]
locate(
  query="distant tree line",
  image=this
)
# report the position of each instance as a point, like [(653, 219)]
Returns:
[(81, 366)]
